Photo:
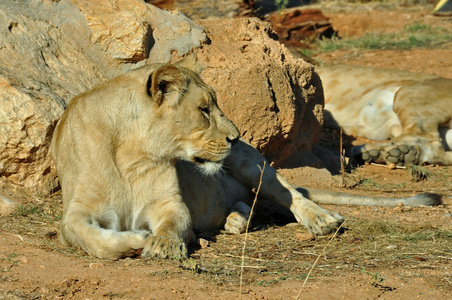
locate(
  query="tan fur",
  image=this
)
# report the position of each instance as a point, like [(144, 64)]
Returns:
[(147, 160), (139, 160), (413, 110)]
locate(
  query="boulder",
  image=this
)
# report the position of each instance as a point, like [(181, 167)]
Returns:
[(272, 97), (51, 51)]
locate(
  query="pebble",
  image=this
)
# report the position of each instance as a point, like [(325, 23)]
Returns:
[(304, 237), (398, 208), (95, 265), (203, 243), (392, 166), (407, 208)]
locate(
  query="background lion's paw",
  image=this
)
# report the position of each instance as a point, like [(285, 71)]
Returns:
[(159, 246), (386, 153), (363, 153)]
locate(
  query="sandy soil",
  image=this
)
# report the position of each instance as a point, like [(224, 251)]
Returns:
[(388, 253)]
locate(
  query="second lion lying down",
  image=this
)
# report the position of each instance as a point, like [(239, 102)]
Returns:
[(147, 159), (412, 110)]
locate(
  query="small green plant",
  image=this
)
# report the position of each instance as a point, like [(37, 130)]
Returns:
[(267, 282), (280, 5), (12, 262), (306, 52), (190, 264), (370, 182), (162, 274), (418, 27), (420, 173), (25, 211), (376, 278)]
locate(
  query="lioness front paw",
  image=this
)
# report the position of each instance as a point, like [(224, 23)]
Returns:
[(317, 220), (238, 218), (387, 153), (163, 247)]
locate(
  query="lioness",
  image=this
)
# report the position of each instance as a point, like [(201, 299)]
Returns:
[(147, 159), (413, 110)]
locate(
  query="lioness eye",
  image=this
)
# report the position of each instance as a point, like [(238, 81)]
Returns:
[(204, 110)]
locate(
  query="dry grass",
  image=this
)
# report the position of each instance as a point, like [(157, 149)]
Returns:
[(318, 257)]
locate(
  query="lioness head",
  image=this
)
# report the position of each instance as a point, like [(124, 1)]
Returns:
[(204, 134)]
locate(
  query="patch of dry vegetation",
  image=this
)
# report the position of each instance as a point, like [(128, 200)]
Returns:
[(274, 252)]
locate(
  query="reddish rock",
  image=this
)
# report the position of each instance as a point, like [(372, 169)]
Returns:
[(297, 24)]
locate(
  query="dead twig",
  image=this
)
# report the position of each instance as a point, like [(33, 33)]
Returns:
[(246, 229), (342, 161), (318, 257)]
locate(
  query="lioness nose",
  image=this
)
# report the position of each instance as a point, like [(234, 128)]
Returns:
[(233, 139)]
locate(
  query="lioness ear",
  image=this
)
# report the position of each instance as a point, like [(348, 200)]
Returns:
[(167, 84), (191, 62)]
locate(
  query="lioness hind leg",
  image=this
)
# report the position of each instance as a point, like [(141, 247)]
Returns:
[(245, 163), (81, 229), (238, 218)]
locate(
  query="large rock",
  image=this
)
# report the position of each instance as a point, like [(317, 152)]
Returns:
[(132, 30), (51, 51), (272, 97)]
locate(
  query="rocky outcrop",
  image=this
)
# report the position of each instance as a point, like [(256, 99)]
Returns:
[(272, 97), (133, 31), (51, 51)]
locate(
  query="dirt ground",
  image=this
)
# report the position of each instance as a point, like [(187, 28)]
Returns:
[(356, 22), (387, 253)]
